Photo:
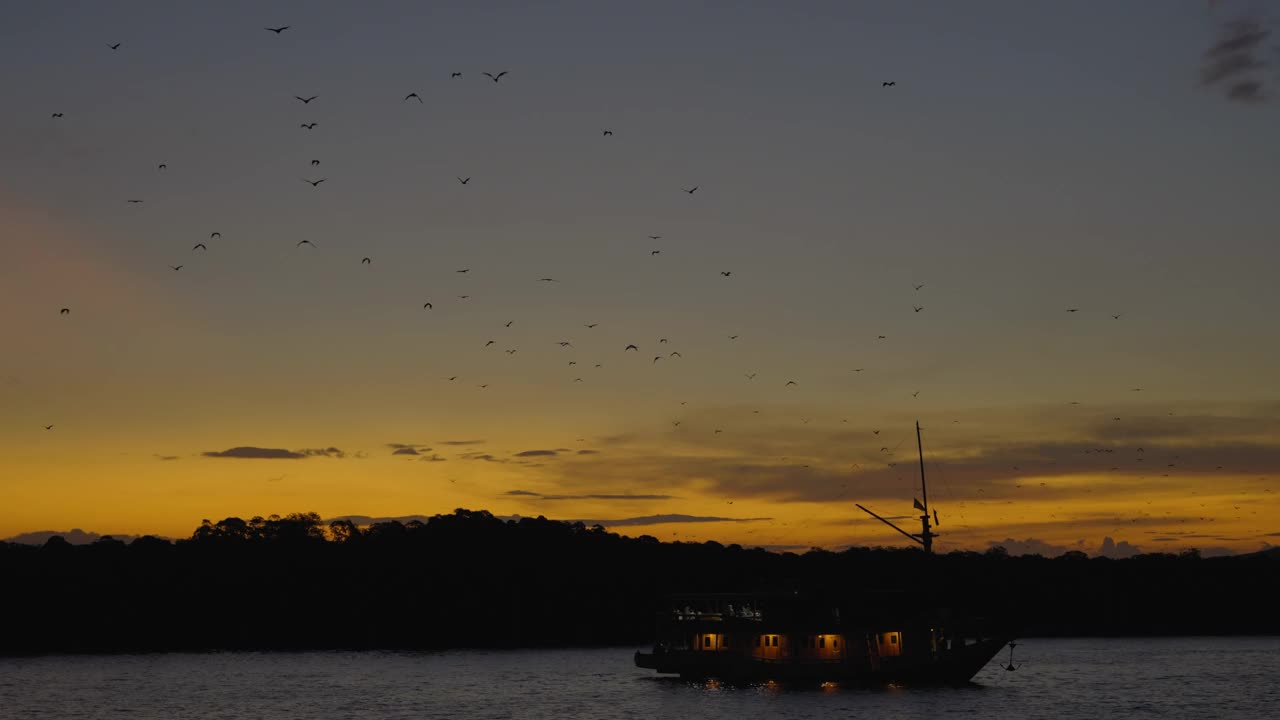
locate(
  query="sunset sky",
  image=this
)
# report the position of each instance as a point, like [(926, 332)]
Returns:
[(1032, 157)]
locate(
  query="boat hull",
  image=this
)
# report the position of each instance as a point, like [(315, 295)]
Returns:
[(956, 667)]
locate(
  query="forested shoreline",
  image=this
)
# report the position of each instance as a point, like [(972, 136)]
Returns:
[(470, 580)]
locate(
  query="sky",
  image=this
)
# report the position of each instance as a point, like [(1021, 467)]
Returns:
[(1037, 169)]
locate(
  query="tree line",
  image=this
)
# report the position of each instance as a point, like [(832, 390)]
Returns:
[(468, 579)]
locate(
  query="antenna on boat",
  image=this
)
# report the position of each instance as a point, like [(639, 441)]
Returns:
[(926, 536)]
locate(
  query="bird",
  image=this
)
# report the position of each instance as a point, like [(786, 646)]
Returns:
[(655, 237), (691, 190), (305, 242), (590, 325), (881, 337), (426, 306), (875, 432), (1073, 310), (57, 115), (463, 270), (315, 163), (510, 352), (483, 386), (717, 432), (413, 95), (278, 30), (64, 311), (133, 202), (1117, 317), (888, 83), (915, 394), (631, 347), (455, 377), (733, 337), (675, 423), (199, 246), (309, 126), (572, 363), (917, 287), (115, 46), (213, 235), (455, 75), (464, 181), (366, 261), (859, 369), (509, 323), (463, 297), (655, 252), (790, 383), (726, 273), (547, 280), (917, 308), (751, 376), (48, 427), (314, 183), (162, 167), (607, 133), (565, 343), (175, 268), (676, 353), (306, 100), (489, 343), (577, 379), (493, 77)]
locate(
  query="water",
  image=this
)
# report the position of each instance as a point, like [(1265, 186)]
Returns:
[(1089, 678)]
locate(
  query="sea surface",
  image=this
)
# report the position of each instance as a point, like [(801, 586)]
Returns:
[(1080, 678)]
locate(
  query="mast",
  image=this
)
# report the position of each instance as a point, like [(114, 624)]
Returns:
[(926, 536)]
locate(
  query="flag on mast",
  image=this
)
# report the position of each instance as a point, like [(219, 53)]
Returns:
[(916, 504)]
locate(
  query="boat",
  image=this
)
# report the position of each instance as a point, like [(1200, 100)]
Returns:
[(803, 636)]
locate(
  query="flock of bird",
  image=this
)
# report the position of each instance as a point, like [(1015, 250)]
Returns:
[(429, 304)]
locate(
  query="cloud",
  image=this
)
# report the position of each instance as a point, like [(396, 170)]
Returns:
[(1117, 550), (536, 453), (462, 442), (588, 452), (330, 452), (588, 496), (486, 457), (522, 492), (405, 451), (75, 536), (666, 520), (1031, 546), (257, 453)]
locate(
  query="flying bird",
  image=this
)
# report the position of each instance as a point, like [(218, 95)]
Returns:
[(655, 237), (309, 126), (464, 181), (888, 83), (733, 337), (114, 47), (917, 287), (489, 343), (607, 133), (493, 77), (590, 325), (199, 246), (162, 167), (315, 163), (64, 311), (366, 261), (676, 353), (278, 30), (133, 202), (455, 75), (306, 100), (1073, 309), (1117, 317), (751, 376), (413, 95), (305, 242), (790, 383), (655, 252), (509, 323), (314, 183), (859, 369), (57, 115), (547, 280), (463, 270), (915, 394), (631, 347), (726, 273), (881, 337), (917, 308), (565, 343), (691, 190), (426, 306), (510, 352), (463, 297), (213, 235), (175, 268)]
